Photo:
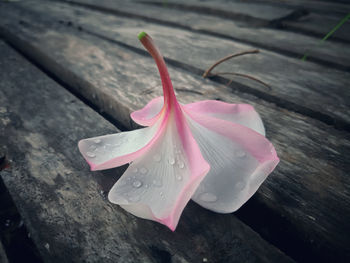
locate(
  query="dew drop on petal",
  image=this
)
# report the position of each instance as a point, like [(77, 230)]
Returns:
[(137, 184), (240, 153), (143, 170), (208, 197), (181, 164), (240, 186), (157, 158), (90, 154), (161, 194), (97, 140), (179, 177), (157, 183), (171, 160), (134, 198)]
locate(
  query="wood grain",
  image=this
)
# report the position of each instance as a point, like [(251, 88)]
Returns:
[(301, 17), (296, 85), (307, 196), (270, 34), (64, 205)]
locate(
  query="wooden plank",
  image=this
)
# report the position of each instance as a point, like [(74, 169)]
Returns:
[(308, 194), (296, 85), (298, 18), (322, 7), (319, 26), (249, 12), (60, 200), (285, 42)]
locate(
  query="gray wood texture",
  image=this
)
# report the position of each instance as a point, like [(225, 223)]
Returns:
[(308, 194), (263, 35), (298, 17), (61, 201), (304, 90)]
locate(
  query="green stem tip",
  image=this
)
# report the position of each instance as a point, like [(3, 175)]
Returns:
[(141, 35)]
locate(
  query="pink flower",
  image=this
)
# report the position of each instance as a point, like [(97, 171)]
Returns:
[(210, 151)]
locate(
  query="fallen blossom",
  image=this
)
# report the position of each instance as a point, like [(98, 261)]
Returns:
[(213, 152)]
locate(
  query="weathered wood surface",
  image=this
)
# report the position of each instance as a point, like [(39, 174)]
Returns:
[(329, 7), (304, 90), (263, 35), (307, 196), (299, 18), (60, 199)]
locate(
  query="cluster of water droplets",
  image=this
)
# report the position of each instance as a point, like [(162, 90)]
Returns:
[(98, 146), (206, 196), (140, 183)]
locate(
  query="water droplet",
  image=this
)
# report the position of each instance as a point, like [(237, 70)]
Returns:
[(92, 147), (157, 183), (134, 198), (137, 184), (135, 170), (146, 185), (179, 177), (97, 140), (208, 197), (122, 182), (181, 164), (47, 246), (157, 158), (94, 96), (161, 194), (143, 170), (240, 153), (240, 185), (90, 154), (171, 160)]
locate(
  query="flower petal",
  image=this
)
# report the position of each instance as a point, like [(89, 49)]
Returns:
[(243, 114), (158, 185), (149, 114), (240, 160), (113, 150)]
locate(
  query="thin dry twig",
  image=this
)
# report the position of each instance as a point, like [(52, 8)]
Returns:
[(242, 75), (207, 72)]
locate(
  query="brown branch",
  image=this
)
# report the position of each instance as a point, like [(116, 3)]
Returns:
[(207, 72), (242, 75)]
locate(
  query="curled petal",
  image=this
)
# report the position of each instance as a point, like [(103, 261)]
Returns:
[(243, 114), (240, 160), (113, 150), (149, 114), (158, 185)]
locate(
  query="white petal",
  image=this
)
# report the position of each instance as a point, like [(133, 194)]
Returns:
[(113, 150), (235, 173), (243, 114), (158, 185)]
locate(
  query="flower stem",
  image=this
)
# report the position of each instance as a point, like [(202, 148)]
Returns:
[(168, 91)]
